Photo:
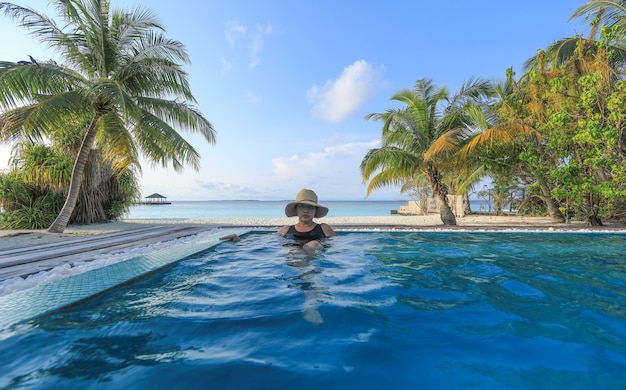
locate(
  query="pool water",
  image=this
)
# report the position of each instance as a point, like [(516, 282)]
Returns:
[(373, 310)]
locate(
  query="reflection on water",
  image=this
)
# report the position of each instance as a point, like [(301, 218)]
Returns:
[(93, 358), (308, 280)]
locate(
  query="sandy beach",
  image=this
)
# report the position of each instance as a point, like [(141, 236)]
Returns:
[(10, 239)]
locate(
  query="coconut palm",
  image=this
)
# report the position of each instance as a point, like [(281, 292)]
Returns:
[(607, 20), (611, 13), (120, 71), (521, 110), (419, 138)]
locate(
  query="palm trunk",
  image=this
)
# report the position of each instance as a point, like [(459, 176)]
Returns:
[(445, 212), (468, 206), (91, 199), (441, 192), (60, 223)]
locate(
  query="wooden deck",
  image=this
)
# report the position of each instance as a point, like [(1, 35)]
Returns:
[(30, 260)]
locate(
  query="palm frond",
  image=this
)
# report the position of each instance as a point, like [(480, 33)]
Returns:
[(611, 11), (161, 143), (444, 146), (468, 181), (181, 116)]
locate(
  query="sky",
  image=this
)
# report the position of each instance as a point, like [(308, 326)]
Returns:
[(287, 84)]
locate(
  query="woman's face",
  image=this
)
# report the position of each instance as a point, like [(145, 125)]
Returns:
[(305, 211)]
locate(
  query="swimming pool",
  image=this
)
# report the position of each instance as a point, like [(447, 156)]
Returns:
[(374, 309)]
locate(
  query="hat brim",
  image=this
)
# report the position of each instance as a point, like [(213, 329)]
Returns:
[(320, 211)]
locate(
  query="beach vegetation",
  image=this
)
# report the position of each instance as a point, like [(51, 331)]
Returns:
[(36, 214), (551, 140), (557, 132), (118, 75), (25, 204), (525, 129), (420, 138), (35, 184), (13, 192)]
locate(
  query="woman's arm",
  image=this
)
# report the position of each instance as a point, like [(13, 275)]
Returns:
[(328, 231), (232, 237), (283, 230)]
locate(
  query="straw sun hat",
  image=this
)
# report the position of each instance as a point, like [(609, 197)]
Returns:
[(306, 197)]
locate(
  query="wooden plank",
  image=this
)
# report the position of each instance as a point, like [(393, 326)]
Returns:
[(45, 257), (90, 238), (74, 247)]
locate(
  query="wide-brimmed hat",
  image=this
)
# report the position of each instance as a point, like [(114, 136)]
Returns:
[(306, 197)]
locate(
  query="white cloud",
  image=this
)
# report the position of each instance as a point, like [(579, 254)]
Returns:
[(335, 158), (236, 190), (234, 31), (333, 172), (257, 42), (338, 100)]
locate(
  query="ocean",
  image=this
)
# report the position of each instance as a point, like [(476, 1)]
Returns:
[(255, 209)]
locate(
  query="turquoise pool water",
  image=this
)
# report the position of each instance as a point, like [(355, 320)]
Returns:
[(374, 310)]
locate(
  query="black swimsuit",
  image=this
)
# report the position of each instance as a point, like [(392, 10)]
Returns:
[(303, 237)]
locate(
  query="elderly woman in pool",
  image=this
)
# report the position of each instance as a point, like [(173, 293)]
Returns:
[(305, 232)]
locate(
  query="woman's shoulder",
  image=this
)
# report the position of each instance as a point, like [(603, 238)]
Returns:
[(283, 230), (328, 231)]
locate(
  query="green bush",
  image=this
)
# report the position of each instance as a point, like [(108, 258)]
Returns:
[(38, 215), (116, 210)]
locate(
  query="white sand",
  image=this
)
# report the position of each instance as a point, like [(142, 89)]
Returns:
[(339, 222), (23, 238)]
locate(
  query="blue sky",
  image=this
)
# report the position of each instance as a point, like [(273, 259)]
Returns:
[(287, 84)]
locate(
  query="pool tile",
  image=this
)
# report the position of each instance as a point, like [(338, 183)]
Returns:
[(27, 304)]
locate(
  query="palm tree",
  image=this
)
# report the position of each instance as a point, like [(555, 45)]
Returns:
[(606, 18), (611, 13), (519, 128), (419, 138), (470, 168), (606, 15), (118, 70)]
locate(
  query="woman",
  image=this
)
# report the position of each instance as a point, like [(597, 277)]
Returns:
[(305, 232)]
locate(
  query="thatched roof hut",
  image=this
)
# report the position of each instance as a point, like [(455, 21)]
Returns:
[(156, 199)]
